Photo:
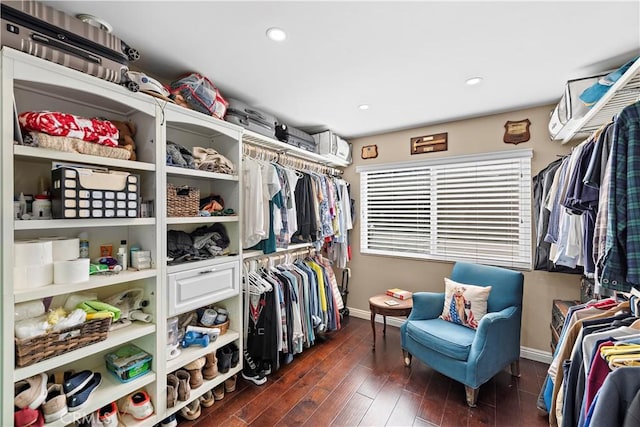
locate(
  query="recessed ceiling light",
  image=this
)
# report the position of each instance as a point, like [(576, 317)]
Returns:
[(95, 21), (473, 81), (363, 106), (276, 34)]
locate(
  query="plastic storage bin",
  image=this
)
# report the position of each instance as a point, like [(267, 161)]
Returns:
[(128, 363)]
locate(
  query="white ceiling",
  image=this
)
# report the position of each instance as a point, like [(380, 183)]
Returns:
[(407, 60)]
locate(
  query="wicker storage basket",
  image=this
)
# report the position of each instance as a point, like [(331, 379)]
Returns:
[(36, 349), (224, 327), (182, 201)]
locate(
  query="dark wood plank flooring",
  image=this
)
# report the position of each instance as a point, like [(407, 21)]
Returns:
[(341, 382)]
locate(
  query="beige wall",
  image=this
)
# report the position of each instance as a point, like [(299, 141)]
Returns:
[(373, 274)]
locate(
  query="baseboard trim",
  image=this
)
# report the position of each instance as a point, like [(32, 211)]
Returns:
[(525, 352), (535, 354)]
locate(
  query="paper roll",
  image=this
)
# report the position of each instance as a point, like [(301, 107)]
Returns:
[(32, 253), (28, 310), (73, 271), (64, 249), (32, 276)]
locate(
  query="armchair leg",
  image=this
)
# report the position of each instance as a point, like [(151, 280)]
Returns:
[(515, 368), (407, 358), (472, 395)]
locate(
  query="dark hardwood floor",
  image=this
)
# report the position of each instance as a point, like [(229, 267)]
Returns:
[(342, 382)]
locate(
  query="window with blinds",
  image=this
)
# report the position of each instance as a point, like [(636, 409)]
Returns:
[(465, 208)]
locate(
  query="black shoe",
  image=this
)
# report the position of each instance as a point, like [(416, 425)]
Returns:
[(251, 375), (250, 371), (224, 359), (235, 355)]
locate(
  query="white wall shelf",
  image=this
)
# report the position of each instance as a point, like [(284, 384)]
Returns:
[(47, 155), (290, 150), (189, 354), (202, 219), (200, 264), (195, 173), (624, 92), (51, 224), (109, 390), (115, 338), (95, 281), (206, 386)]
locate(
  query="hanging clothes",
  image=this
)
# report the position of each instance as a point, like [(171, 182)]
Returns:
[(299, 301)]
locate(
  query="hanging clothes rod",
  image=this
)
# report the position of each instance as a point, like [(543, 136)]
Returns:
[(286, 159), (293, 250)]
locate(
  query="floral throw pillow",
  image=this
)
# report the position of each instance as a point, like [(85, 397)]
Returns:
[(464, 304)]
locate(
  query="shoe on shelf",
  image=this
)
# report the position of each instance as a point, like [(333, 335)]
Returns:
[(137, 404), (235, 355), (192, 410), (184, 389), (196, 364), (195, 371), (79, 399), (218, 392), (108, 415), (210, 369), (76, 382), (170, 421), (59, 377), (224, 359), (31, 392), (172, 390), (55, 405), (207, 399), (26, 417), (230, 384)]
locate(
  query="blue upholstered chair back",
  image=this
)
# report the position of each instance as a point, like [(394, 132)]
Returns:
[(506, 284)]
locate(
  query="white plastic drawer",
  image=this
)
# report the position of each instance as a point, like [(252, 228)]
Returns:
[(195, 288)]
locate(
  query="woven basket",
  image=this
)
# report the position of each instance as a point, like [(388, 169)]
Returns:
[(36, 349), (222, 326), (182, 201)]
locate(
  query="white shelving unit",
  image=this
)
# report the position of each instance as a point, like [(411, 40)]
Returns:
[(624, 92), (33, 84)]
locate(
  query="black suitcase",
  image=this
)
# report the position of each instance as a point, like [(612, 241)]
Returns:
[(250, 118), (296, 137), (47, 33)]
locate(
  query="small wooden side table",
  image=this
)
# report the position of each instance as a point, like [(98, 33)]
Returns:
[(377, 306)]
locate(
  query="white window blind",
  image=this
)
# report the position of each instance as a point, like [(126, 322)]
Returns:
[(464, 208)]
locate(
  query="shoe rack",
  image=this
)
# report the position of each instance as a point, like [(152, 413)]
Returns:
[(30, 83)]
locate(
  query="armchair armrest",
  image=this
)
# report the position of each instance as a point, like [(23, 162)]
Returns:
[(426, 305), (497, 340)]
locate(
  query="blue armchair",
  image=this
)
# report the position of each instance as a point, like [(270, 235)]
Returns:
[(469, 356)]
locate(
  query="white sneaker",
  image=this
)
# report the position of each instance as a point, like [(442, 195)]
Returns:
[(137, 404)]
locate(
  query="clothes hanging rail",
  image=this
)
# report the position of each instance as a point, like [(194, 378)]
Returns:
[(286, 159), (292, 249)]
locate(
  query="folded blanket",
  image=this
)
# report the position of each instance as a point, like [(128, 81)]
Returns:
[(76, 145), (101, 132), (210, 160)]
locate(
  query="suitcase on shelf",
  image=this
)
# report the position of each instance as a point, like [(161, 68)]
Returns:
[(251, 118), (296, 137), (50, 34)]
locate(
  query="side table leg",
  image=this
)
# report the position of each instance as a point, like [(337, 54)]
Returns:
[(384, 329), (373, 327)]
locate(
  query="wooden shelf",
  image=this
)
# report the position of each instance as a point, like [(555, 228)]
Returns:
[(199, 264)]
